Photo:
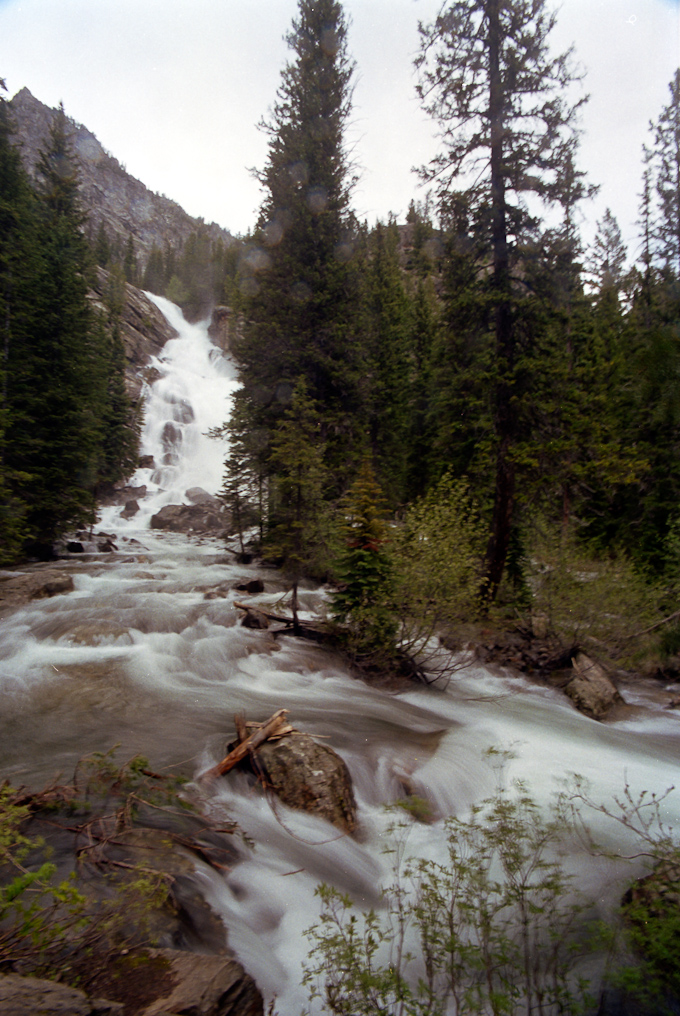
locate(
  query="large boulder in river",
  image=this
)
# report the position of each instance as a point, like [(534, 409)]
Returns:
[(590, 689), (190, 518), (310, 777), (196, 495)]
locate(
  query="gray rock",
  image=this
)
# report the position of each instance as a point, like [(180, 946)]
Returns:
[(255, 619), (252, 586), (189, 518), (590, 689), (310, 777), (131, 509), (221, 327), (53, 587), (33, 996), (199, 496), (205, 986)]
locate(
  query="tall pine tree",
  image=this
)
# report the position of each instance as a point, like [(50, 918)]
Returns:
[(507, 128), (54, 409), (296, 277)]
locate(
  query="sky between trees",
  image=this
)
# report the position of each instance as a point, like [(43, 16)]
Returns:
[(174, 89)]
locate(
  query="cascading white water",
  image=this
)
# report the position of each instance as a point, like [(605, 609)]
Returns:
[(138, 655), (191, 396)]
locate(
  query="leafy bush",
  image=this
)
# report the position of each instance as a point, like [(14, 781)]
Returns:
[(36, 913), (498, 928), (588, 598)]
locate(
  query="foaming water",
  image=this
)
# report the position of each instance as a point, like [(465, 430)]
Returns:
[(138, 655), (191, 395)]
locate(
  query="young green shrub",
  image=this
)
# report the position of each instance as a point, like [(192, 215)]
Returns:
[(438, 565), (37, 914), (498, 928), (585, 598)]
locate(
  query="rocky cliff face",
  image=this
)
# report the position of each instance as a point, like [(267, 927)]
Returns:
[(143, 329), (109, 194)]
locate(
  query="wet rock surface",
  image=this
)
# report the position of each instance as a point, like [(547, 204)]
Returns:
[(19, 587), (591, 690), (33, 996), (308, 776), (190, 518)]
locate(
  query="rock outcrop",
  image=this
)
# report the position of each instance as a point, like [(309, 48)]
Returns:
[(205, 986), (590, 689), (159, 982), (143, 329), (221, 328), (18, 587)]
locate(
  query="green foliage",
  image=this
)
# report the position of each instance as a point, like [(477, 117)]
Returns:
[(295, 277), (362, 606), (498, 928), (588, 597), (37, 914), (299, 532), (176, 291), (438, 554), (645, 948)]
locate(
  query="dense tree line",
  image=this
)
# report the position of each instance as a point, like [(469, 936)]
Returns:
[(67, 426), (476, 341)]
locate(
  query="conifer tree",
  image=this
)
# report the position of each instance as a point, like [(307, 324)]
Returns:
[(17, 214), (295, 277), (298, 533), (386, 332), (154, 280), (608, 254), (666, 161), (54, 410), (507, 128), (363, 604)]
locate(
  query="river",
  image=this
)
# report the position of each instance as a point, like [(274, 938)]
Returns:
[(137, 655)]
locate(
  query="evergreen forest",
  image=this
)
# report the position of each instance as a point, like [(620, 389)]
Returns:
[(475, 385), (68, 428)]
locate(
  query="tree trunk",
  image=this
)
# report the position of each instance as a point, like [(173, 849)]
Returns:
[(505, 424)]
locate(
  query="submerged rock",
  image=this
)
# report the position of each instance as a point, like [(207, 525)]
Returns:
[(310, 777), (590, 689)]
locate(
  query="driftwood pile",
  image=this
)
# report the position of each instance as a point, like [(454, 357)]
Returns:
[(255, 617), (250, 736)]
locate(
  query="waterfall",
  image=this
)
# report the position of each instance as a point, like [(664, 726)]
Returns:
[(191, 395), (138, 655)]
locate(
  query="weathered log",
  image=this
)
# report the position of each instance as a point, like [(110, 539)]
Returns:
[(305, 629), (274, 725)]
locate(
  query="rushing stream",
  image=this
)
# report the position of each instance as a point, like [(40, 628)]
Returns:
[(138, 655)]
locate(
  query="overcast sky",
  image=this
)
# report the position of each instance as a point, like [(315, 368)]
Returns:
[(174, 90)]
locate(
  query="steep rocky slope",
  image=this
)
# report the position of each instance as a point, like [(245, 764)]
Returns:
[(143, 328), (109, 194)]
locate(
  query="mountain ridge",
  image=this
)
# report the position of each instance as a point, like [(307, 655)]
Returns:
[(109, 194)]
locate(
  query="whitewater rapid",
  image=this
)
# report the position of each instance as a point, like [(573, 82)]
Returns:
[(139, 655)]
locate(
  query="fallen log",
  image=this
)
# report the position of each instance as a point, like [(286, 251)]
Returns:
[(305, 629), (276, 724)]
